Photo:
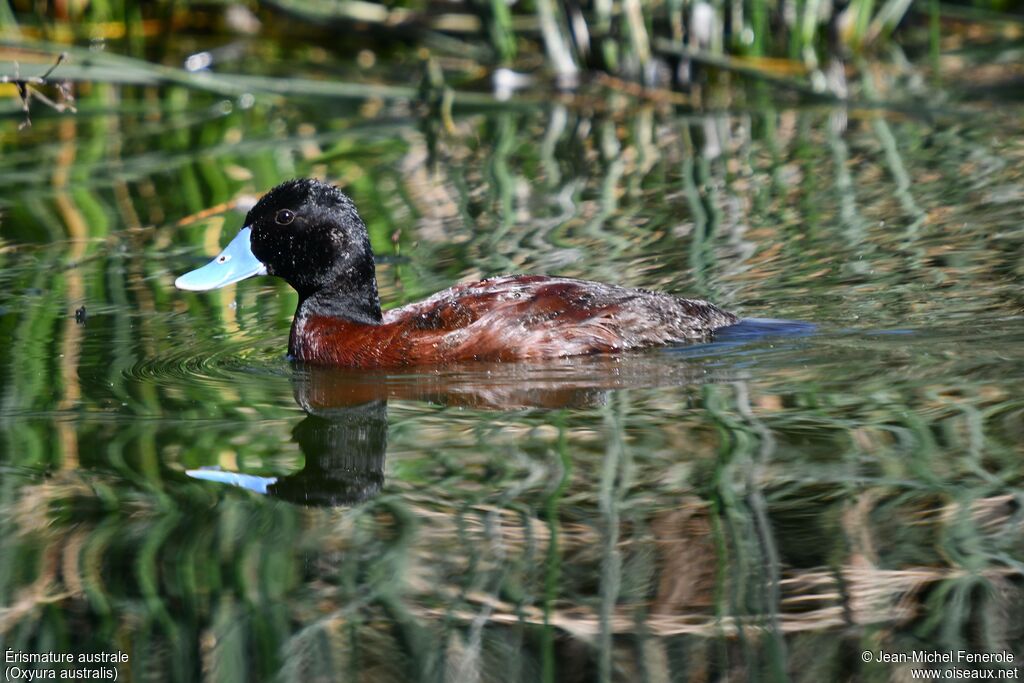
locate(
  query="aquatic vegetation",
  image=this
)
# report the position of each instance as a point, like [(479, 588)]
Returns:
[(806, 46)]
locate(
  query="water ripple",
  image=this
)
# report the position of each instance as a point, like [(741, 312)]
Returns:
[(230, 363)]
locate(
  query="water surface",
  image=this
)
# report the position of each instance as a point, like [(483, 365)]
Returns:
[(767, 506)]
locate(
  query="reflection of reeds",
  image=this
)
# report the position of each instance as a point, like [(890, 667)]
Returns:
[(429, 568), (812, 601)]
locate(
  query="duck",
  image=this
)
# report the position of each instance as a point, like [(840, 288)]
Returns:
[(309, 233)]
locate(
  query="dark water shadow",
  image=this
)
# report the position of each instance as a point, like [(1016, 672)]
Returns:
[(747, 332)]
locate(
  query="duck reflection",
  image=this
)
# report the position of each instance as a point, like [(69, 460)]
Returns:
[(345, 432), (344, 451)]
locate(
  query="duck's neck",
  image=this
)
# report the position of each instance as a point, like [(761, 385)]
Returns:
[(344, 300)]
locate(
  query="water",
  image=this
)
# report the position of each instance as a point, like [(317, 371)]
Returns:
[(768, 505)]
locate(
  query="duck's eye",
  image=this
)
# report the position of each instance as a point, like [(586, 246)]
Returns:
[(284, 217)]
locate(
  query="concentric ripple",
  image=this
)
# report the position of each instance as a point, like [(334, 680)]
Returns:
[(223, 373)]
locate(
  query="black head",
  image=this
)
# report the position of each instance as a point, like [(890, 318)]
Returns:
[(309, 233)]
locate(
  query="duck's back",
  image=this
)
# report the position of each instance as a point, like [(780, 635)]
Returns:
[(512, 317)]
